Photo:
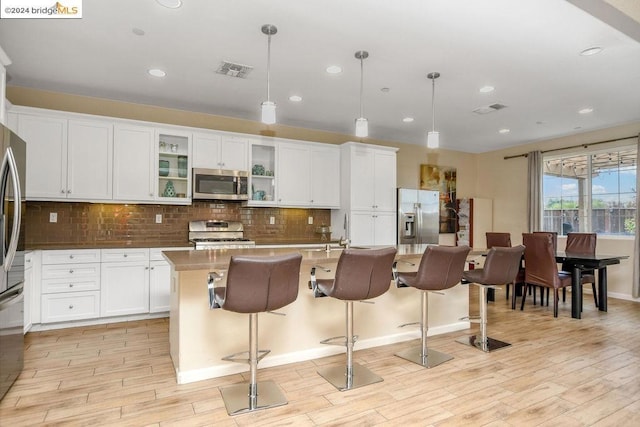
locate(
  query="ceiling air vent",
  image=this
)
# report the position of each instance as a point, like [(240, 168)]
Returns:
[(234, 70), (489, 108)]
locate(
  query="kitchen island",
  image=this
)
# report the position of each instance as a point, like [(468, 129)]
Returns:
[(200, 337)]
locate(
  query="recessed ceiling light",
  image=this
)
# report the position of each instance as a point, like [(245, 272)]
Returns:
[(171, 4), (138, 32), (586, 110), (591, 51), (295, 98), (505, 130), (487, 89), (407, 119), (156, 72), (334, 69)]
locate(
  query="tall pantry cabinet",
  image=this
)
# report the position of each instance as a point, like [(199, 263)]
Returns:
[(368, 195)]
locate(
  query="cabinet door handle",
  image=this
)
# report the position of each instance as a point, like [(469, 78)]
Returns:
[(70, 271), (152, 268), (70, 256), (71, 285), (62, 191), (68, 191), (70, 306), (125, 255), (146, 268)]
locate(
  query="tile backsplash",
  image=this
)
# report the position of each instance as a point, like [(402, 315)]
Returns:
[(112, 224)]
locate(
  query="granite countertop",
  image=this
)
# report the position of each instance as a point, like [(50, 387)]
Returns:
[(108, 245), (219, 258)]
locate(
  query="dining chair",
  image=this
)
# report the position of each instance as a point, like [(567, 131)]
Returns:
[(582, 243), (541, 268), (503, 240), (554, 238)]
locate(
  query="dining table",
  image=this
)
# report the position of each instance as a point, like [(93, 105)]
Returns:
[(582, 261)]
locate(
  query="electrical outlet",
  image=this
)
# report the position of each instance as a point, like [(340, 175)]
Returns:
[(310, 220), (53, 216), (158, 218), (272, 220)]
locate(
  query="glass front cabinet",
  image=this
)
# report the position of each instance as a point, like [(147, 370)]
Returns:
[(173, 167), (262, 182)]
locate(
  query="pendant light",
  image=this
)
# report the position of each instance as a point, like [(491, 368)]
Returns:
[(269, 107), (362, 124), (433, 137)]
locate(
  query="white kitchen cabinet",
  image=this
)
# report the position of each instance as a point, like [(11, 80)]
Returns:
[(67, 159), (90, 160), (293, 174), (368, 195), (134, 156), (70, 285), (173, 167), (372, 228), (46, 156), (124, 282), (308, 175), (159, 280), (28, 291), (220, 151), (262, 180)]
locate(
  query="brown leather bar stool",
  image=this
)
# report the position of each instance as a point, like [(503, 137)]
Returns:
[(503, 240), (255, 284), (361, 274), (500, 268), (440, 268)]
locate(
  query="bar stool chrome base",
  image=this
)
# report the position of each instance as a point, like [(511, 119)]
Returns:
[(338, 377), (433, 357), (488, 345), (237, 397), (482, 341)]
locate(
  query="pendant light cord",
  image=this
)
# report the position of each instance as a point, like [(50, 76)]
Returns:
[(361, 86), (268, 68), (433, 105)]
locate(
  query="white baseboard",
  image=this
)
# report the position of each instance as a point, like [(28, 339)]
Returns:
[(625, 297), (313, 353), (98, 321)]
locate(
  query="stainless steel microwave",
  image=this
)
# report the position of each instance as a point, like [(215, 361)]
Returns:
[(220, 184)]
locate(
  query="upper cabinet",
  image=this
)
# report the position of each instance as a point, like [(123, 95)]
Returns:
[(133, 163), (173, 166), (220, 151), (262, 183), (90, 160), (308, 175), (68, 159)]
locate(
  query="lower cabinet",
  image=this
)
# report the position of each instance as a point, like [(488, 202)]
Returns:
[(70, 286), (373, 228), (124, 282), (94, 283), (159, 282)]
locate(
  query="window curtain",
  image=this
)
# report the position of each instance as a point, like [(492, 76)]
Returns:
[(635, 289), (534, 190)]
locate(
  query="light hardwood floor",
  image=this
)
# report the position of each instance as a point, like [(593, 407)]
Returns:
[(557, 372)]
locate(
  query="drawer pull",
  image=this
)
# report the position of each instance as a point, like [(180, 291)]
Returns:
[(71, 271), (71, 285), (70, 306), (125, 255), (70, 256)]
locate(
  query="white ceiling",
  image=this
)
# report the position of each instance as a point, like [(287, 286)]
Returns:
[(528, 50)]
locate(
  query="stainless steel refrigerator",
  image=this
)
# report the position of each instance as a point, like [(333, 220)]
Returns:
[(418, 216), (12, 180)]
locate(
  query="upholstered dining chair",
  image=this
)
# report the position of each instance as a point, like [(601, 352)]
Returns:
[(541, 268), (554, 238), (582, 243), (503, 240)]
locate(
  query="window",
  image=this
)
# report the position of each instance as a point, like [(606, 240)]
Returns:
[(590, 192)]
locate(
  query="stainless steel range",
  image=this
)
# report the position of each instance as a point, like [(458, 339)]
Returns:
[(216, 234)]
